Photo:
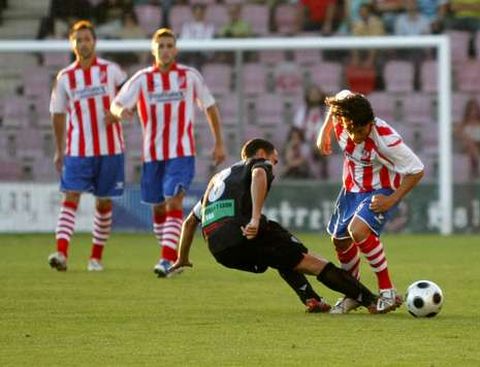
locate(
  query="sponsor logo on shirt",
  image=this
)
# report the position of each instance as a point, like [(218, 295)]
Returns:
[(170, 96), (89, 92)]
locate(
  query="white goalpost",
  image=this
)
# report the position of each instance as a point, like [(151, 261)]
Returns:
[(440, 43)]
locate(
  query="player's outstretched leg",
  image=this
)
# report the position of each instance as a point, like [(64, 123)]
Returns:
[(302, 287)]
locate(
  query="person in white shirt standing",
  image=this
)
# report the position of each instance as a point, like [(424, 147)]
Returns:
[(379, 170), (88, 146), (165, 95)]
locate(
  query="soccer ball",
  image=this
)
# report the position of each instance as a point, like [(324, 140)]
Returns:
[(424, 299)]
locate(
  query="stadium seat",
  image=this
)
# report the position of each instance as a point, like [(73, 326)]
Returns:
[(384, 106), (15, 111), (467, 76), (360, 79), (288, 78), (149, 17), (307, 56), (217, 14), (417, 108), (428, 76), (461, 168), (271, 57), (335, 167), (254, 78), (327, 75), (459, 43), (10, 170), (56, 60), (459, 100), (269, 110), (228, 105), (37, 81), (258, 16), (399, 76), (286, 19), (218, 77), (180, 14)]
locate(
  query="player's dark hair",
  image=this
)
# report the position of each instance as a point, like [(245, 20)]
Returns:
[(251, 147), (82, 24), (354, 107)]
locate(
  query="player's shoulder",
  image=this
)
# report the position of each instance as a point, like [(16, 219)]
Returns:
[(108, 63), (189, 69), (383, 128), (64, 72)]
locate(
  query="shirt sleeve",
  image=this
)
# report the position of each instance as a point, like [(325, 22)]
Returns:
[(119, 76), (59, 97), (129, 93), (267, 166), (197, 210), (203, 96), (403, 159)]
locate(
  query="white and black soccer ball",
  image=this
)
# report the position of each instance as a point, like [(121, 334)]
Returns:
[(424, 299)]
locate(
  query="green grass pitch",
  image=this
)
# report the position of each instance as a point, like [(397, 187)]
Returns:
[(211, 316)]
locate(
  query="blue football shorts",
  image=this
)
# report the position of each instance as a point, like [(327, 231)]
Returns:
[(102, 176), (165, 179), (350, 204)]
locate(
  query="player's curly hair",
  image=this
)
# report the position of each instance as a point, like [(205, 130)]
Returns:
[(355, 107), (82, 24), (251, 147)]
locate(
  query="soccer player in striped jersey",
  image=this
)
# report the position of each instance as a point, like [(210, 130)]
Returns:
[(88, 147), (379, 170), (165, 95)]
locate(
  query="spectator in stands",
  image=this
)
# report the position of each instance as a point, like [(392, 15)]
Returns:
[(296, 155), (468, 131), (388, 11), (198, 28), (464, 15), (109, 15), (369, 24), (319, 16), (352, 14), (309, 118), (435, 11), (411, 22), (131, 30), (236, 26)]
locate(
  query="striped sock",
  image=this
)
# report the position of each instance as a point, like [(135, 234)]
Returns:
[(350, 260), (171, 234), (158, 224), (65, 226), (102, 226), (372, 249)]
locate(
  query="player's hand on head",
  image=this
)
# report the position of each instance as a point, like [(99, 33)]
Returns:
[(218, 154), (381, 203), (251, 229)]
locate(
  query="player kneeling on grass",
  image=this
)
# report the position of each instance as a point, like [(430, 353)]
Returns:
[(379, 170), (240, 237)]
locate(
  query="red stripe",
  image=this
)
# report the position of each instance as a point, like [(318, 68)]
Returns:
[(190, 136), (72, 84), (181, 115), (383, 130), (111, 131), (142, 108), (167, 118), (368, 170), (384, 178), (81, 143), (396, 181), (338, 130), (399, 141), (153, 113), (349, 166), (87, 74)]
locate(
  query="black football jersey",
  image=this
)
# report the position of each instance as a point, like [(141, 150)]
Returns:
[(229, 197)]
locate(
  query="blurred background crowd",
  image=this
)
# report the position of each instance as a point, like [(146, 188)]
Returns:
[(283, 91)]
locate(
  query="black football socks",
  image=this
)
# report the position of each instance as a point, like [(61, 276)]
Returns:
[(299, 283), (341, 281)]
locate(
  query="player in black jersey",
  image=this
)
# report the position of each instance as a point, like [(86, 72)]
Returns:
[(240, 237)]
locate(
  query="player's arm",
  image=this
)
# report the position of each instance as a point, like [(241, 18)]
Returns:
[(122, 106), (324, 139), (213, 118), (186, 239), (258, 191), (58, 124), (410, 166)]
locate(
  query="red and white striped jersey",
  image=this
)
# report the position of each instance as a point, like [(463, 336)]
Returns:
[(380, 161), (165, 104), (85, 95)]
